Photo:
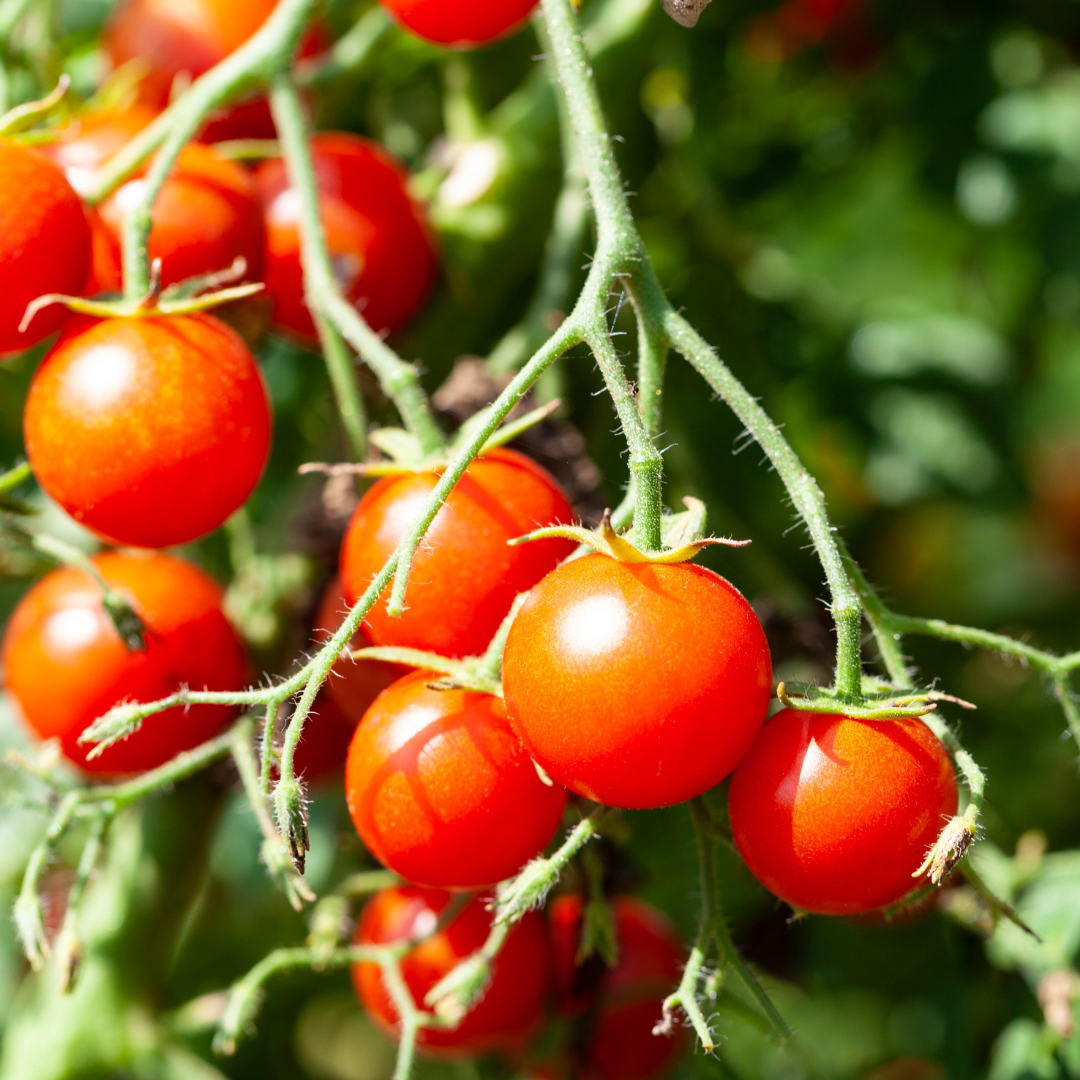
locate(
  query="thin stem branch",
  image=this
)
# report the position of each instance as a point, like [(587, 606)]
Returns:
[(342, 371)]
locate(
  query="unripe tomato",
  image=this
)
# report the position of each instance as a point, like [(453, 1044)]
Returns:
[(206, 216), (636, 685), (463, 23), (353, 684), (512, 1006), (44, 244), (65, 665), (627, 1002), (378, 239), (465, 576), (834, 814), (150, 431), (442, 791)]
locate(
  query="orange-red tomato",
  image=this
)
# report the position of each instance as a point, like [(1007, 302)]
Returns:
[(65, 665), (441, 789), (626, 1003), (150, 431), (834, 814), (463, 23), (637, 685), (512, 1006), (379, 241), (44, 244), (206, 216), (465, 576), (353, 684)]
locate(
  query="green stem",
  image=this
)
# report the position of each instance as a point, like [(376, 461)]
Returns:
[(14, 477), (349, 52), (342, 371), (490, 666)]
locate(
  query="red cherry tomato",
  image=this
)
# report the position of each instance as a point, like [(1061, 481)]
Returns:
[(206, 216), (150, 431), (353, 684), (834, 814), (465, 576), (628, 1001), (512, 1006), (44, 244), (636, 685), (65, 664), (441, 790), (463, 23), (379, 241)]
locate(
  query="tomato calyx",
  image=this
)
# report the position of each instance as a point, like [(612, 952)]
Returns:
[(200, 293), (466, 674), (879, 701), (949, 849), (606, 541)]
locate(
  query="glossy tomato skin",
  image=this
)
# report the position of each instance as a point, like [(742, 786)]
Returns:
[(206, 216), (379, 241), (44, 244), (461, 23), (626, 1003), (834, 815), (442, 791), (512, 1006), (149, 431), (465, 576), (353, 684), (65, 665), (636, 685)]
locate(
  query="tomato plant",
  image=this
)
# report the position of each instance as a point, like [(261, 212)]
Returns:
[(834, 814), (44, 243), (149, 431), (441, 790), (381, 246), (461, 24), (509, 1011), (636, 684), (463, 583), (65, 664)]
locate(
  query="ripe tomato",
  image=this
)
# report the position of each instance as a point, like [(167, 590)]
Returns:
[(636, 685), (626, 1002), (379, 241), (353, 684), (205, 216), (441, 790), (465, 577), (44, 244), (65, 665), (463, 23), (508, 1012), (150, 431), (834, 814)]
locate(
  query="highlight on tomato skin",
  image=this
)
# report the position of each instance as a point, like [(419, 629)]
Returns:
[(510, 1011), (441, 790), (465, 576), (835, 814), (149, 431), (636, 685), (460, 23), (44, 244), (65, 665), (380, 243)]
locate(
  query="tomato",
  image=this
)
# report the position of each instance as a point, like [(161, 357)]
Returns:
[(65, 665), (44, 244), (512, 1006), (463, 23), (627, 1001), (636, 685), (441, 790), (150, 431), (205, 217), (379, 241), (353, 684), (834, 814), (465, 576)]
